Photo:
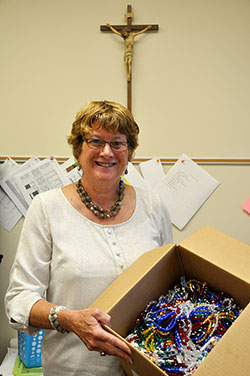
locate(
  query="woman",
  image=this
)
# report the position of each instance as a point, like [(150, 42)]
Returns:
[(77, 239)]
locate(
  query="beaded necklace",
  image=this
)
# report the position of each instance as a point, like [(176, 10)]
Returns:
[(101, 212), (179, 329)]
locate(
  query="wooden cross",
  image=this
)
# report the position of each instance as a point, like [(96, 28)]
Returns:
[(128, 32)]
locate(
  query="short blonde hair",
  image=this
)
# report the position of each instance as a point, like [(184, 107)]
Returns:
[(110, 116)]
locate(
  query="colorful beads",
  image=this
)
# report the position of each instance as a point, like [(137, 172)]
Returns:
[(179, 329)]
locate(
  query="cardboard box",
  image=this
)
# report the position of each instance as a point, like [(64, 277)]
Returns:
[(208, 255)]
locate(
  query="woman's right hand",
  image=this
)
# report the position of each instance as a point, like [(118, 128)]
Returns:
[(87, 325)]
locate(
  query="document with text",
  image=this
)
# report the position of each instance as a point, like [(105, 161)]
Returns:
[(184, 189), (9, 213)]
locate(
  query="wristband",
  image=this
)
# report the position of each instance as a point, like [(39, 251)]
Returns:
[(54, 319)]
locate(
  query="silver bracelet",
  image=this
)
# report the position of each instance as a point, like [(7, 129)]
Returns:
[(54, 319)]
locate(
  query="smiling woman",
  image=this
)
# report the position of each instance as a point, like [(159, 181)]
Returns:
[(102, 167), (103, 137), (106, 115), (77, 239)]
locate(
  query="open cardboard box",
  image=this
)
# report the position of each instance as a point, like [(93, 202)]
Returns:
[(208, 255)]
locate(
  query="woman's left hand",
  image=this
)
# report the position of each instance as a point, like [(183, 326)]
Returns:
[(87, 325)]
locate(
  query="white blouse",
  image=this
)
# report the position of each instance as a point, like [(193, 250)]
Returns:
[(69, 260)]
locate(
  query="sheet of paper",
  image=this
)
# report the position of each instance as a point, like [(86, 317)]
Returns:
[(8, 168), (42, 177), (12, 189), (70, 167), (152, 171), (184, 189), (246, 206), (9, 213), (133, 177)]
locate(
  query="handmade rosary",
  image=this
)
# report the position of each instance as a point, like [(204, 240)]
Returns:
[(179, 329)]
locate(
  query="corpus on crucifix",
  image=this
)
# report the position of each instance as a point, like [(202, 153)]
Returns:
[(129, 40), (128, 33)]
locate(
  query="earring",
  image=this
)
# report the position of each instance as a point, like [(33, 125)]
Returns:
[(79, 167), (126, 171)]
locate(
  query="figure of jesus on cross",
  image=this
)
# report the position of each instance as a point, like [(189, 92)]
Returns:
[(128, 33), (129, 40)]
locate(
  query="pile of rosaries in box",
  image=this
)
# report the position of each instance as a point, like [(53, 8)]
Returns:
[(179, 329)]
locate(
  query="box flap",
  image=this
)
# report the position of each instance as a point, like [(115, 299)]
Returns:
[(231, 354), (125, 282), (222, 250)]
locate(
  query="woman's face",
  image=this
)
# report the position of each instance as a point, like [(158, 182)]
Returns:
[(103, 165)]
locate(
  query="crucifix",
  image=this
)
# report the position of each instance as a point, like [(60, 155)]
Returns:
[(128, 33)]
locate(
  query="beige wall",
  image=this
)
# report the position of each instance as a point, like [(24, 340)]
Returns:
[(190, 91)]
